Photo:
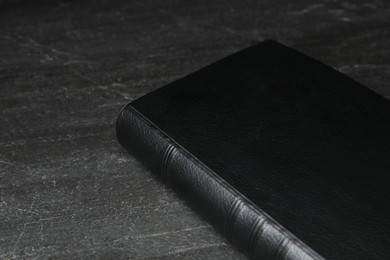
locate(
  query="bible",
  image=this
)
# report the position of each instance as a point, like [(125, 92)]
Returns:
[(286, 156)]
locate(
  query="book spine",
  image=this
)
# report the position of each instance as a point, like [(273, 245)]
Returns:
[(244, 224)]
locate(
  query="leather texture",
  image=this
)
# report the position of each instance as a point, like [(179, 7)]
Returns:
[(285, 155)]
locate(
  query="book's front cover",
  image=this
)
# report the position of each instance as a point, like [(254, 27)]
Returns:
[(306, 144)]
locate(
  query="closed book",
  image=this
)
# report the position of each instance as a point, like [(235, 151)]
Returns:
[(287, 157)]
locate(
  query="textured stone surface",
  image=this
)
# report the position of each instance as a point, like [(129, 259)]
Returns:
[(67, 189)]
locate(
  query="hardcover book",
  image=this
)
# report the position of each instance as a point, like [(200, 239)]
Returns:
[(286, 156)]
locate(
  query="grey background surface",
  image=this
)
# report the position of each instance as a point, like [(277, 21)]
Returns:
[(67, 189)]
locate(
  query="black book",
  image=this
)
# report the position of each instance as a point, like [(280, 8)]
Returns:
[(288, 157)]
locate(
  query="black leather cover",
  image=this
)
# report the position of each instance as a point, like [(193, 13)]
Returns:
[(288, 157)]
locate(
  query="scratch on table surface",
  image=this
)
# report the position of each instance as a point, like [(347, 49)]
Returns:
[(172, 232), (27, 220), (48, 139), (127, 237), (187, 23), (19, 165), (306, 10), (363, 66), (192, 248), (119, 88), (7, 162), (49, 53), (83, 76), (41, 220), (28, 210), (183, 23)]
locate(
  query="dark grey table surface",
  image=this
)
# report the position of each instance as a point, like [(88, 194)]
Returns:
[(67, 189)]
